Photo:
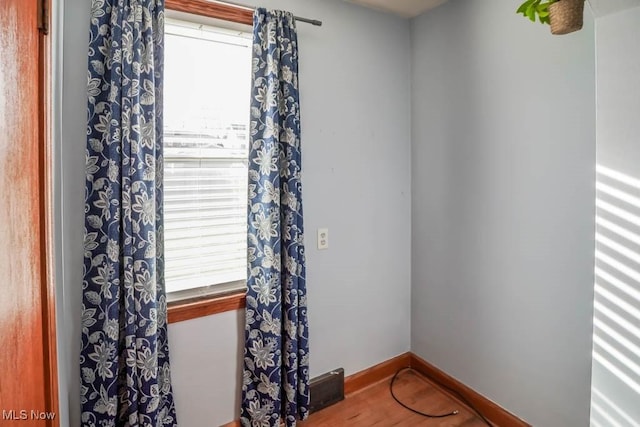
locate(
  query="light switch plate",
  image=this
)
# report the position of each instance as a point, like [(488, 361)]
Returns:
[(323, 238)]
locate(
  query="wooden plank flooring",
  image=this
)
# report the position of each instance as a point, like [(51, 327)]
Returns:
[(374, 406)]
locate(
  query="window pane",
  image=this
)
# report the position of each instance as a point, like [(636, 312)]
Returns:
[(206, 122)]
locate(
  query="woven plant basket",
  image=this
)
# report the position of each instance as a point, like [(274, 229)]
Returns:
[(566, 16)]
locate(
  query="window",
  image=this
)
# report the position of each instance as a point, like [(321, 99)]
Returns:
[(207, 86)]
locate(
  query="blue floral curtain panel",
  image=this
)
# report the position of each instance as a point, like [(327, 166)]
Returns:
[(276, 355), (124, 358)]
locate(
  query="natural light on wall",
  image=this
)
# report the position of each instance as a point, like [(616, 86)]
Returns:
[(616, 338), (206, 134)]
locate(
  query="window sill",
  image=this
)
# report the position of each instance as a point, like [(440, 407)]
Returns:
[(179, 311)]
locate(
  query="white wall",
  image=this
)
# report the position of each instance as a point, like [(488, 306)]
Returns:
[(356, 152), (503, 160), (616, 365)]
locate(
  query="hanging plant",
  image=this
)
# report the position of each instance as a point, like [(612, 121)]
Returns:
[(533, 9), (563, 16)]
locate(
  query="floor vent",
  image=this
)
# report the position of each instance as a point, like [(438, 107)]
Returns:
[(326, 390)]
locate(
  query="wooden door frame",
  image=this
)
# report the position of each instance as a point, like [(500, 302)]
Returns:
[(48, 289)]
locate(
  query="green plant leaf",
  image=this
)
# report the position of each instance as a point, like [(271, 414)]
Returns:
[(543, 10), (531, 12), (533, 9), (522, 8)]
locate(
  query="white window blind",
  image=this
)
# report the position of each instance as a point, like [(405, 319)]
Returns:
[(206, 115)]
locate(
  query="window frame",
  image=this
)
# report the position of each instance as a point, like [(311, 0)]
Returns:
[(179, 310), (222, 11)]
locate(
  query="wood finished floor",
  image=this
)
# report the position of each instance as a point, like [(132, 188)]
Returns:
[(374, 406)]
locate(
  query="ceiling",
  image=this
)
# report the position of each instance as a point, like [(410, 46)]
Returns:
[(411, 8), (405, 8), (606, 7)]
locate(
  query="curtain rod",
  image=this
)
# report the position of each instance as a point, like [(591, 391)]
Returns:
[(297, 18)]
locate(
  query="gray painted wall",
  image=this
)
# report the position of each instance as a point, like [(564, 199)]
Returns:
[(56, 34), (503, 158), (356, 152), (69, 205), (616, 365)]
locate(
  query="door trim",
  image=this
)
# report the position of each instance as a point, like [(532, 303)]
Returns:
[(48, 289)]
